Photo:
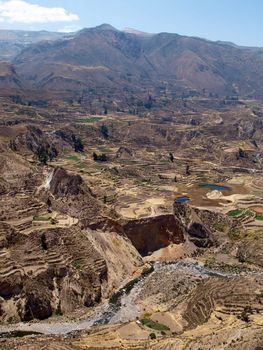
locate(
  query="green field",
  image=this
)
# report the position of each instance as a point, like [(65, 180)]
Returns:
[(41, 218), (74, 158), (89, 120), (154, 325), (236, 213)]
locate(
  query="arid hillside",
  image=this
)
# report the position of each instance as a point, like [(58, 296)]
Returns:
[(121, 63)]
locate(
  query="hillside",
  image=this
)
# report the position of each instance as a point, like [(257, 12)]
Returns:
[(120, 62), (9, 78)]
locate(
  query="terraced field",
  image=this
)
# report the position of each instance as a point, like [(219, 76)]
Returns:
[(78, 232)]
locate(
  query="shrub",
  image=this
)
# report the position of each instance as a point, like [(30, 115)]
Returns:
[(59, 310), (45, 153), (77, 265), (42, 154), (245, 314), (53, 153), (147, 271), (99, 157), (104, 130), (53, 221), (78, 145), (43, 241)]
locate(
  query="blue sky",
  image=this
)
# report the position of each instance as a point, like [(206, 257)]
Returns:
[(239, 21)]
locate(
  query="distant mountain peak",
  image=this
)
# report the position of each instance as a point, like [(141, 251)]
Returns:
[(101, 28), (136, 32), (104, 26)]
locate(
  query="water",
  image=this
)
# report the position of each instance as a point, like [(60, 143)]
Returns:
[(194, 268), (216, 187), (181, 199)]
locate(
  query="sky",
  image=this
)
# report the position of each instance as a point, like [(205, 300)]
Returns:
[(238, 21)]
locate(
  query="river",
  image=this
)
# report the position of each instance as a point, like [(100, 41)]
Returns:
[(122, 309)]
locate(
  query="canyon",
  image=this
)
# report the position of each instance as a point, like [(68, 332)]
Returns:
[(131, 197)]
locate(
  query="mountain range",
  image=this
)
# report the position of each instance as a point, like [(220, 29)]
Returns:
[(127, 62)]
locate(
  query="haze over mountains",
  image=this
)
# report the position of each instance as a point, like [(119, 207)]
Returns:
[(128, 61), (12, 42)]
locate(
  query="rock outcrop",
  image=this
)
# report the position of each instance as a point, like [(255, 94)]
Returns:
[(124, 153), (71, 195), (153, 233), (197, 231), (48, 271), (64, 184)]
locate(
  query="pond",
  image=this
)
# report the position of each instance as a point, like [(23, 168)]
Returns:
[(181, 199), (215, 187)]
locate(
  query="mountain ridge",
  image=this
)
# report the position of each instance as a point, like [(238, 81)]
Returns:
[(107, 58)]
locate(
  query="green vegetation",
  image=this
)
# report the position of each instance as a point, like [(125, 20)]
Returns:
[(58, 311), (53, 221), (239, 213), (81, 165), (45, 153), (17, 334), (243, 257), (154, 325), (234, 233), (152, 336), (219, 226), (74, 158), (115, 298), (129, 286), (43, 240), (108, 199), (77, 144), (89, 120), (171, 157), (99, 157), (246, 313), (104, 131), (49, 204), (198, 252), (42, 218), (236, 213), (147, 271), (164, 161), (77, 265), (259, 217)]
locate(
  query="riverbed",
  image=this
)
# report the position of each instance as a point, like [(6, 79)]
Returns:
[(123, 308)]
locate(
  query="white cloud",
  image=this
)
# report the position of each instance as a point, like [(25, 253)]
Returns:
[(23, 12), (69, 29)]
